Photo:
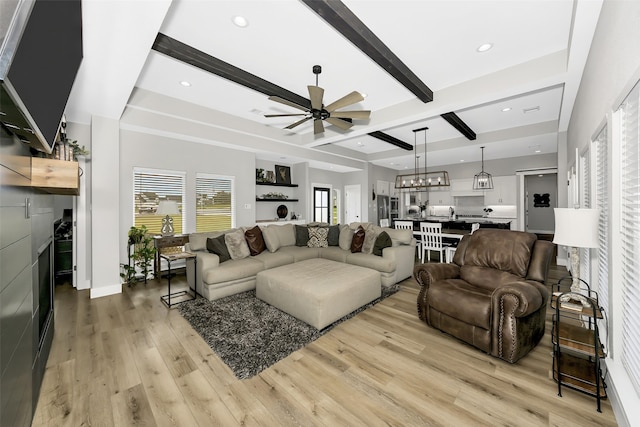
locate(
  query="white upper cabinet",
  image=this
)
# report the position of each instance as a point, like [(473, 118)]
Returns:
[(504, 191)]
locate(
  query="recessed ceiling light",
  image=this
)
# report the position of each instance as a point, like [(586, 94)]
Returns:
[(484, 47), (240, 21), (283, 157), (505, 109), (462, 160), (537, 151), (185, 83), (359, 144), (531, 109), (540, 176)]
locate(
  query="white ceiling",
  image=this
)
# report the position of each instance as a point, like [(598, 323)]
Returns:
[(539, 50)]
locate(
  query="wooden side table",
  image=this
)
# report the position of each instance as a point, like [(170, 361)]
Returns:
[(167, 245), (166, 299)]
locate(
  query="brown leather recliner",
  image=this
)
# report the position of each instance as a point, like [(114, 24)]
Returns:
[(493, 295)]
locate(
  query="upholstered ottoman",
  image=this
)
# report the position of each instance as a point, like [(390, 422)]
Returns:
[(318, 291)]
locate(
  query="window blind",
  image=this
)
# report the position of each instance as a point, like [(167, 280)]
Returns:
[(602, 202), (215, 202), (150, 187), (585, 202), (630, 236)]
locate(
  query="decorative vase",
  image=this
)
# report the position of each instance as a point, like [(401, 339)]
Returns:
[(282, 211)]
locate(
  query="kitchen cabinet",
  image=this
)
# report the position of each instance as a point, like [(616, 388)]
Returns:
[(504, 191), (577, 349), (382, 188), (440, 197)]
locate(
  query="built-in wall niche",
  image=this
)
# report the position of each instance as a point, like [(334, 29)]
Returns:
[(276, 187)]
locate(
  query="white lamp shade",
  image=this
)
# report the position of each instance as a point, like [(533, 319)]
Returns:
[(577, 228), (167, 207)]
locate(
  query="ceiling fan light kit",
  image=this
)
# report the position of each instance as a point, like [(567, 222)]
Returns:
[(319, 112), (482, 180), (417, 181)]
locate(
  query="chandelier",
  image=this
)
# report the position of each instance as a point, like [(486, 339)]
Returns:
[(421, 181), (483, 180)]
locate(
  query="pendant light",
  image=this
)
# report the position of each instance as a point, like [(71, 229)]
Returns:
[(483, 180), (417, 181)]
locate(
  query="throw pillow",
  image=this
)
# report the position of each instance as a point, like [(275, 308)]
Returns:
[(237, 245), (216, 245), (333, 237), (370, 236), (255, 240), (318, 237), (382, 241), (358, 240), (346, 235), (270, 237), (302, 235)]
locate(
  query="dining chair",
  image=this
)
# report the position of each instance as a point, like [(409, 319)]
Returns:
[(407, 225), (384, 222), (450, 251), (431, 236)]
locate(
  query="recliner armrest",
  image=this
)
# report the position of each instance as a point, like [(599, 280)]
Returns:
[(526, 298), (425, 274)]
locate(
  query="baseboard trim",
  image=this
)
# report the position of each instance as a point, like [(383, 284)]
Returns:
[(104, 291)]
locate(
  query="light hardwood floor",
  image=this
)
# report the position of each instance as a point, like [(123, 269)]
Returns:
[(127, 360)]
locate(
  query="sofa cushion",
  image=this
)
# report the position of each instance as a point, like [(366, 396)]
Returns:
[(237, 245), (270, 238), (461, 300), (300, 253), (399, 237), (381, 264), (358, 240), (382, 241), (217, 245), (254, 239), (333, 237), (198, 241), (334, 253), (232, 270), (302, 235), (272, 260), (370, 236), (286, 234), (504, 250), (346, 235), (318, 237)]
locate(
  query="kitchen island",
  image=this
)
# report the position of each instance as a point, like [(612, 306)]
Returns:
[(449, 225)]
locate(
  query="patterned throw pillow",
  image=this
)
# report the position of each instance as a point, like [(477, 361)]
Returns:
[(237, 245), (318, 237)]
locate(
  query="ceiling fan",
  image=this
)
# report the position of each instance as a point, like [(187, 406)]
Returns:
[(319, 112)]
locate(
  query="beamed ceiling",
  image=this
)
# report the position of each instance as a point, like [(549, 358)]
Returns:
[(417, 62)]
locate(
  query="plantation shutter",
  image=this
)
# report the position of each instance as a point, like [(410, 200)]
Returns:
[(150, 187), (602, 202), (585, 202), (630, 235), (215, 202)]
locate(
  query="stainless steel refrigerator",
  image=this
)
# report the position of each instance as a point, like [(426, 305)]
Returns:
[(383, 208)]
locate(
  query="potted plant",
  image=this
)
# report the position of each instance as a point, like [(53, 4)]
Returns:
[(143, 253)]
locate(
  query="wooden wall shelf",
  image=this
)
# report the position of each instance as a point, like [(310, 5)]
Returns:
[(55, 176)]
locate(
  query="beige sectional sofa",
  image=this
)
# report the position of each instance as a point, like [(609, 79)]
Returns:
[(215, 279)]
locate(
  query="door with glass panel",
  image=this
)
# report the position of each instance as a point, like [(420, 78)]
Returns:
[(321, 204)]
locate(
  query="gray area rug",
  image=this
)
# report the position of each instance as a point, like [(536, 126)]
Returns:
[(250, 335)]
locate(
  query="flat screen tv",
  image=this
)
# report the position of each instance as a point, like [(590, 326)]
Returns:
[(38, 71)]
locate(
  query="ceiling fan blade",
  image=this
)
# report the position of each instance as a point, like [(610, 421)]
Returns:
[(284, 115), (315, 94), (287, 102), (359, 114), (346, 100), (339, 123), (299, 122), (318, 127)]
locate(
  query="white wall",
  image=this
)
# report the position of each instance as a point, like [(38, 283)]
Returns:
[(612, 67), (151, 151)]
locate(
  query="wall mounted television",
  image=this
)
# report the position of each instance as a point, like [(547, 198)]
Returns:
[(40, 56)]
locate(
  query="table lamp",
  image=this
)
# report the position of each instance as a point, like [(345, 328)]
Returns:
[(167, 207), (577, 228)]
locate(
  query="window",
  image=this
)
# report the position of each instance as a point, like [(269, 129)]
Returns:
[(630, 234), (215, 202), (585, 202), (150, 187), (321, 206)]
